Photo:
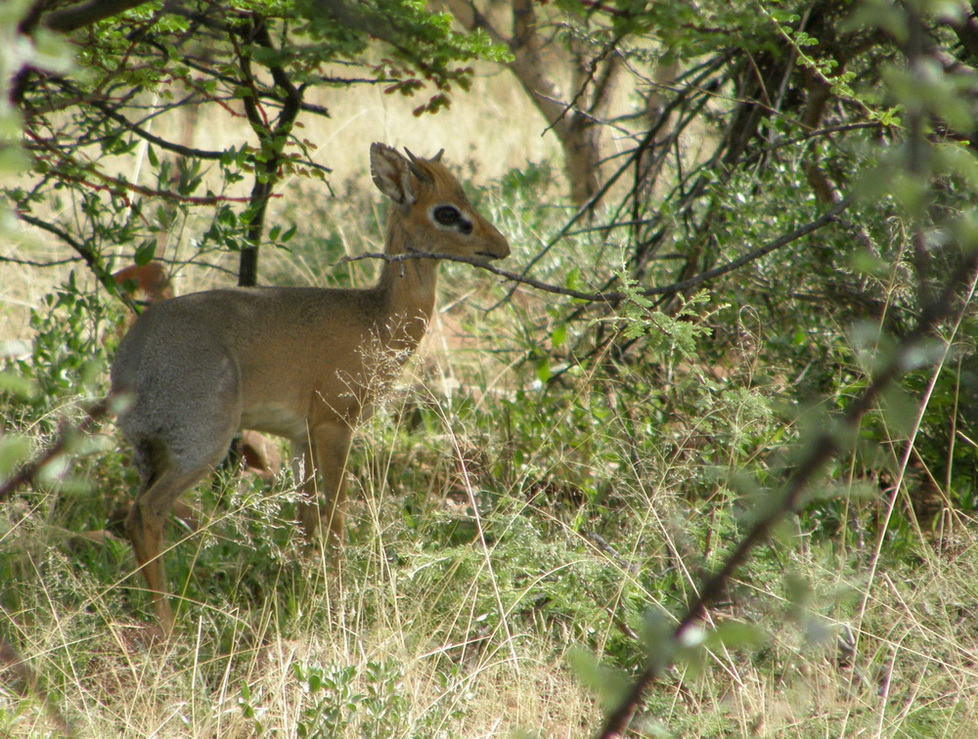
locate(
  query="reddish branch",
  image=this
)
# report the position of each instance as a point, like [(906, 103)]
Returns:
[(825, 446), (67, 432)]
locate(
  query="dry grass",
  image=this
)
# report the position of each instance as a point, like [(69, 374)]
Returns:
[(419, 607)]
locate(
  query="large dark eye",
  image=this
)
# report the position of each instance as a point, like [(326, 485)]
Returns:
[(447, 215)]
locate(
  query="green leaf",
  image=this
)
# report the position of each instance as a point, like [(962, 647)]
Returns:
[(737, 635), (868, 263), (14, 450), (559, 335), (609, 684), (17, 385), (145, 253), (899, 411), (542, 365)]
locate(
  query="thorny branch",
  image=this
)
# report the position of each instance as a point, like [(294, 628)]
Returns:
[(829, 216)]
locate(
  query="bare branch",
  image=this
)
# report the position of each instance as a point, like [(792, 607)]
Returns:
[(86, 13), (37, 263), (613, 297)]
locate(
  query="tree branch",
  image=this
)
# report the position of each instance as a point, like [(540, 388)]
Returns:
[(273, 140), (89, 256), (825, 446), (614, 297), (86, 13)]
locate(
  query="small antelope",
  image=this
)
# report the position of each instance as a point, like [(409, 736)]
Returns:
[(303, 363), (150, 281)]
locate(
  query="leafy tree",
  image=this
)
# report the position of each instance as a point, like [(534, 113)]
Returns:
[(87, 131), (761, 164), (851, 135), (574, 43)]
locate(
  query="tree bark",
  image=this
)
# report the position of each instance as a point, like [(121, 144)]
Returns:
[(574, 122)]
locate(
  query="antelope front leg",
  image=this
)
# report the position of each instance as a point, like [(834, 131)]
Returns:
[(325, 453)]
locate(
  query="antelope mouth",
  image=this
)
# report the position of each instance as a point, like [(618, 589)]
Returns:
[(488, 256)]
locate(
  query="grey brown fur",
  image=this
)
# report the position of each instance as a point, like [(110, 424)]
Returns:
[(303, 363)]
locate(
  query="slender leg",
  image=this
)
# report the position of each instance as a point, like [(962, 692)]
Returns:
[(144, 527), (187, 405), (327, 450)]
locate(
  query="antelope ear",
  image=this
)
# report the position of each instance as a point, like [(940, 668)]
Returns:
[(437, 157), (394, 175)]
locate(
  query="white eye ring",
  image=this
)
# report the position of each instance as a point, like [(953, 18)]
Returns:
[(448, 216)]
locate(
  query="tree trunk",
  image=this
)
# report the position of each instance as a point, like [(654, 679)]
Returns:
[(573, 121)]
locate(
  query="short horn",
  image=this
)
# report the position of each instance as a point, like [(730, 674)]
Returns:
[(414, 164)]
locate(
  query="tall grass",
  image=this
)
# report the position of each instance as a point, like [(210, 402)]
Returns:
[(504, 526)]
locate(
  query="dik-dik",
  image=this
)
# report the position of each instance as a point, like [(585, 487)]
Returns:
[(303, 363)]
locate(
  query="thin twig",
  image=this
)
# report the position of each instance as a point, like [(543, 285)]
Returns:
[(613, 297), (92, 259), (37, 263)]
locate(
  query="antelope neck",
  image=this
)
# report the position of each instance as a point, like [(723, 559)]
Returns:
[(408, 285)]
